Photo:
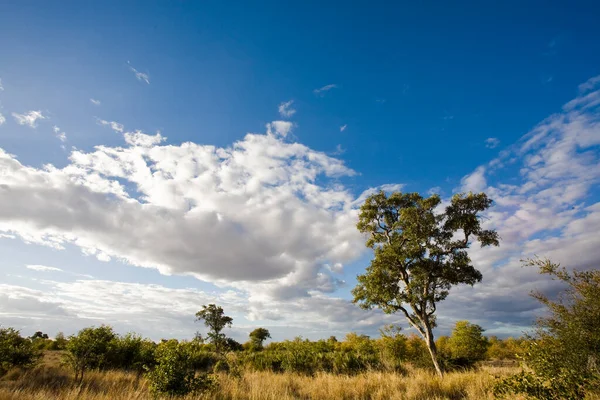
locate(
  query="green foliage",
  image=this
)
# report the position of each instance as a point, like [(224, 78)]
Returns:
[(257, 338), (508, 349), (90, 349), (215, 320), (174, 373), (131, 352), (563, 355), (417, 255), (16, 351), (466, 345)]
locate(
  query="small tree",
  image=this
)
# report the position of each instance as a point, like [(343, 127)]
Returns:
[(564, 352), (419, 255), (89, 349), (215, 319), (467, 345), (258, 337), (16, 351)]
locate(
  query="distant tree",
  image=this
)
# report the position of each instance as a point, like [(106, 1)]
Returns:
[(16, 351), (90, 349), (258, 337), (466, 344), (563, 355), (215, 320), (60, 342), (418, 254), (39, 335)]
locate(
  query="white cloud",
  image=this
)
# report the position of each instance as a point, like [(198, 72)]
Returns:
[(193, 204), (1, 87), (475, 182), (281, 128), (29, 118), (95, 102), (2, 119), (343, 127), (143, 77), (492, 142), (115, 126), (42, 268), (62, 136), (548, 210), (338, 150), (322, 90), (138, 138), (286, 110)]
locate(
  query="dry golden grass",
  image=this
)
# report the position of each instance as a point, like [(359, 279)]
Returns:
[(51, 382)]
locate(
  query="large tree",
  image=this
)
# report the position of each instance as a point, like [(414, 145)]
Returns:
[(215, 319), (419, 254)]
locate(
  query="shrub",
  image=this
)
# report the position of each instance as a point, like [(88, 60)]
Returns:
[(90, 349), (16, 351), (174, 372), (131, 352), (564, 353)]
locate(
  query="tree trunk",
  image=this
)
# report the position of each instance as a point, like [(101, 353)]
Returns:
[(433, 351)]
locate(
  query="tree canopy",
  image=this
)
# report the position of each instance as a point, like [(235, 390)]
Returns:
[(420, 252), (215, 320)]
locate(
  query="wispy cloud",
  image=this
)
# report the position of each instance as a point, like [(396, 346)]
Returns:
[(2, 119), (1, 87), (322, 90), (141, 76), (286, 110), (42, 268), (95, 102), (60, 135), (338, 150), (115, 126), (30, 118), (492, 142), (343, 127)]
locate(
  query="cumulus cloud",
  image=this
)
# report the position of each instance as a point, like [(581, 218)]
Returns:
[(492, 142), (281, 128), (95, 102), (138, 138), (251, 216), (322, 90), (285, 109), (140, 76), (29, 118)]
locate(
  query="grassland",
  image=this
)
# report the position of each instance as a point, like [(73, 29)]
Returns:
[(51, 381)]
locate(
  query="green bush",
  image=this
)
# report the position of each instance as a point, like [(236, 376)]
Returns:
[(16, 351), (174, 373), (90, 349), (563, 356)]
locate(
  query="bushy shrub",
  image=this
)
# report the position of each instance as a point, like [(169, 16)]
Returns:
[(16, 351), (174, 373), (131, 352), (90, 349), (563, 356)]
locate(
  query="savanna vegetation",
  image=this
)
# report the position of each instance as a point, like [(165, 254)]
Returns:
[(419, 254)]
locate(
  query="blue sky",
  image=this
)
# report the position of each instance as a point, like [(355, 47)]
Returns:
[(339, 101)]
